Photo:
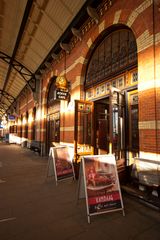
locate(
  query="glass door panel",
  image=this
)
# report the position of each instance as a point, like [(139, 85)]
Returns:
[(53, 129), (133, 131), (109, 124), (117, 130), (83, 132)]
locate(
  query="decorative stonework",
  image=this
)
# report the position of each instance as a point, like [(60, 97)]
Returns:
[(101, 26), (52, 74), (147, 125), (104, 88), (89, 42), (81, 60), (157, 38), (138, 11), (117, 16), (144, 41), (79, 81), (67, 129), (101, 9)]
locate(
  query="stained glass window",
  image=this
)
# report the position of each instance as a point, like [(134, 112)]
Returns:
[(115, 53)]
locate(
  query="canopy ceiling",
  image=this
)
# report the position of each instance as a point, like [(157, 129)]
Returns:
[(29, 30)]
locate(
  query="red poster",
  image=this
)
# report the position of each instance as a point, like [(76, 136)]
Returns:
[(102, 184), (63, 163)]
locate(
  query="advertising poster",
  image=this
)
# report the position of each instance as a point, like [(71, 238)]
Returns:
[(101, 184), (62, 161), (50, 166)]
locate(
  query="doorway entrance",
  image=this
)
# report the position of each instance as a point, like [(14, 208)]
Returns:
[(53, 127), (109, 125), (53, 118), (110, 81)]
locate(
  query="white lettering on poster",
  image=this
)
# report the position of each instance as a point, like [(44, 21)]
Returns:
[(104, 199)]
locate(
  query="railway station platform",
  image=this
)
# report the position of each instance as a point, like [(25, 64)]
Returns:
[(33, 207)]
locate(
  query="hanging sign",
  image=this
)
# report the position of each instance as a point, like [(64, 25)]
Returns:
[(11, 118), (101, 184), (61, 91), (61, 94), (62, 165)]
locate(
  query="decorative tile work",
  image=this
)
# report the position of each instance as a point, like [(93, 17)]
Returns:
[(147, 125), (117, 16), (138, 11), (101, 26), (103, 89), (144, 41), (134, 99), (89, 42), (157, 38), (134, 77)]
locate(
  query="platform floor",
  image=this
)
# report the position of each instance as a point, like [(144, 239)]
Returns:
[(32, 207)]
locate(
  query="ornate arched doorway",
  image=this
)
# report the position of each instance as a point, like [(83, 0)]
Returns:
[(111, 84), (53, 117)]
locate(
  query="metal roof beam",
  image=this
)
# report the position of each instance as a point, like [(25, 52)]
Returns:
[(22, 27), (6, 95), (23, 71)]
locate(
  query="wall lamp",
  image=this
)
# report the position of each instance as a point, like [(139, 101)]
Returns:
[(66, 47), (93, 14), (54, 56), (77, 33)]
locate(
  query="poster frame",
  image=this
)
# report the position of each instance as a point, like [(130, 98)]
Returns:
[(52, 163), (83, 175)]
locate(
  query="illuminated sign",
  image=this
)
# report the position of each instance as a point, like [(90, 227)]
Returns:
[(61, 94), (11, 117), (62, 88)]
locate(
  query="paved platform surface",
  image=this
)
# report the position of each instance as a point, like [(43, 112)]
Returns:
[(34, 208)]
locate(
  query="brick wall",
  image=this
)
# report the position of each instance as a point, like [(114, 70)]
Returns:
[(138, 16)]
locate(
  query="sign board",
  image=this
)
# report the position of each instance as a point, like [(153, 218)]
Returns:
[(60, 163), (50, 167), (61, 94), (11, 117), (101, 184)]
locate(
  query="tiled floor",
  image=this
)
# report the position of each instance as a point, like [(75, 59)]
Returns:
[(32, 207)]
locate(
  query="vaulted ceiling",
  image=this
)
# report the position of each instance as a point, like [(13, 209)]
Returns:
[(29, 30)]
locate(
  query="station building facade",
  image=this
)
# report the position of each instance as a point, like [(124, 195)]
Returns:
[(108, 100)]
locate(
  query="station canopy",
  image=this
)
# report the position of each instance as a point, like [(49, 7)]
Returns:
[(29, 31)]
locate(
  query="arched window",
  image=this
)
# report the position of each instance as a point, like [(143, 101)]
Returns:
[(114, 54)]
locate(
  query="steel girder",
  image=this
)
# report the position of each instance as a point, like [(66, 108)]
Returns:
[(6, 95), (3, 106), (26, 74)]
